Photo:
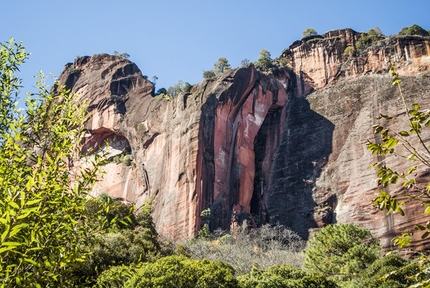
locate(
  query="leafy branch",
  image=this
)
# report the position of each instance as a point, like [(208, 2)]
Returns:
[(418, 154)]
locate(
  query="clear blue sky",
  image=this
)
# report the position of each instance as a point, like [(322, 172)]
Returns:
[(180, 39)]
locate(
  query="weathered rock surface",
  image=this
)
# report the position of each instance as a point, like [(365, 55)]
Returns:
[(286, 146)]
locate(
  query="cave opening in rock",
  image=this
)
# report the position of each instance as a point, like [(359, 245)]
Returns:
[(96, 140)]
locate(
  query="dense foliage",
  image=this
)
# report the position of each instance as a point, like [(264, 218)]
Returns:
[(181, 272), (221, 66), (42, 195), (414, 30), (367, 39), (125, 237), (309, 32), (283, 276), (264, 62), (341, 251)]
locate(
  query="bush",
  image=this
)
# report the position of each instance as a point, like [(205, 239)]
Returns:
[(265, 247), (414, 30), (341, 251), (114, 277), (209, 75), (221, 66), (349, 51), (283, 276), (284, 62), (389, 271), (264, 62), (181, 272), (126, 237), (309, 32), (367, 39)]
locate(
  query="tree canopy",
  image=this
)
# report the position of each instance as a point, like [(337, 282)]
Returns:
[(414, 30), (264, 62), (339, 251), (309, 32), (42, 194), (221, 65)]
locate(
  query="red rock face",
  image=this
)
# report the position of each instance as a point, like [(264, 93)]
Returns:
[(251, 141), (239, 116)]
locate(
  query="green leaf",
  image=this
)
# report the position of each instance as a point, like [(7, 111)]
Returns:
[(31, 261), (11, 244), (14, 205), (15, 229), (29, 183), (420, 227), (32, 202), (404, 133), (416, 106), (412, 169)]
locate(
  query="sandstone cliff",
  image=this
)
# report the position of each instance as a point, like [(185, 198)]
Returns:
[(286, 146)]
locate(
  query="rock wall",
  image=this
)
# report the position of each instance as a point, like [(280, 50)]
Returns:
[(286, 145)]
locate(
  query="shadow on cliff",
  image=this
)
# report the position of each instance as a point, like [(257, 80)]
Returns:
[(303, 151)]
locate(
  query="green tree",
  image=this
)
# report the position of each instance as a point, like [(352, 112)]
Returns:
[(126, 237), (389, 271), (414, 30), (115, 276), (264, 62), (367, 39), (209, 75), (281, 276), (180, 272), (221, 66), (42, 195), (309, 32), (178, 88), (341, 251)]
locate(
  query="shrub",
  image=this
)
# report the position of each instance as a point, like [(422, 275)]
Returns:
[(341, 251), (414, 30), (126, 238), (209, 75), (284, 62), (389, 271), (221, 66), (367, 39), (283, 276), (265, 247), (128, 160), (309, 32), (114, 277), (264, 62), (349, 51), (181, 272)]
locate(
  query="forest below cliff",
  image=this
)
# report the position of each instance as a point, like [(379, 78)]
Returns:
[(55, 232)]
